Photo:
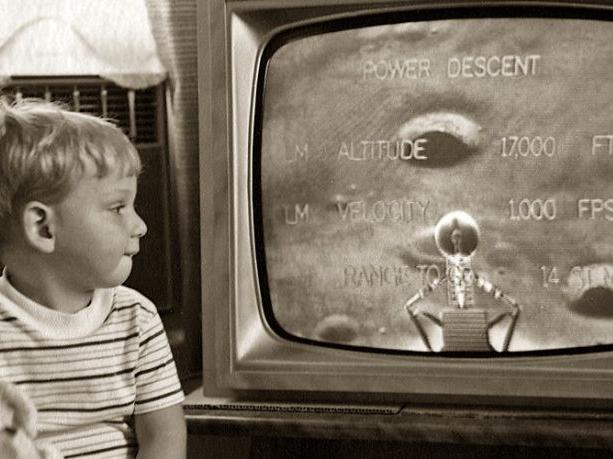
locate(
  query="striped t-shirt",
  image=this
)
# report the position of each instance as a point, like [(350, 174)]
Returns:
[(90, 372)]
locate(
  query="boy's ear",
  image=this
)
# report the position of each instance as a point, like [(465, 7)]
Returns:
[(39, 226)]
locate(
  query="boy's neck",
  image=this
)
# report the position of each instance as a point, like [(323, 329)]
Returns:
[(48, 292)]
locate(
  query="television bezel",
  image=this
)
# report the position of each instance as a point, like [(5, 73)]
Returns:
[(243, 358)]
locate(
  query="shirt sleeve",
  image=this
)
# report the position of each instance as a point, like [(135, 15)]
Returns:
[(157, 383)]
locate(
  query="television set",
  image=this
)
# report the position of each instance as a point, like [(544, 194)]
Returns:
[(407, 202)]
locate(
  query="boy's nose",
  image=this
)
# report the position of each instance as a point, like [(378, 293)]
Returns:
[(139, 228)]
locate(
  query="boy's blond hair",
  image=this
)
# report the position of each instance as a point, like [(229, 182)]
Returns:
[(44, 149)]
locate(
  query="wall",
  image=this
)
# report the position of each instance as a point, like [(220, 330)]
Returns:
[(173, 24)]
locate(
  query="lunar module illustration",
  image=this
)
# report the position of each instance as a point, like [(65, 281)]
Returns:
[(465, 327)]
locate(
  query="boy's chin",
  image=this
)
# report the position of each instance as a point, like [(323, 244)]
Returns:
[(119, 276)]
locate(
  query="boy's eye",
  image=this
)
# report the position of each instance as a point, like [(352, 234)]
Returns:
[(118, 209)]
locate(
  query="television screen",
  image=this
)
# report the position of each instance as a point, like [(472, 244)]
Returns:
[(407, 201), (438, 185)]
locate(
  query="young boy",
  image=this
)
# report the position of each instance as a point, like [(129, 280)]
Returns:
[(91, 354)]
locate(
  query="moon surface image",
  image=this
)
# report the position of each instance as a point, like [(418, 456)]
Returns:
[(371, 135)]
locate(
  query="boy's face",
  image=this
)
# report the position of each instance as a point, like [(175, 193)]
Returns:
[(97, 231)]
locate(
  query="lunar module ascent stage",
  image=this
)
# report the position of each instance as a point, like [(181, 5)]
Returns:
[(465, 327)]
